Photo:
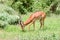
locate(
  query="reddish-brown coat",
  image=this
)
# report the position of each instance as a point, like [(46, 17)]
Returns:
[(33, 16), (39, 15)]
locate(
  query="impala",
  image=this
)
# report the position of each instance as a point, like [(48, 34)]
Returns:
[(39, 15)]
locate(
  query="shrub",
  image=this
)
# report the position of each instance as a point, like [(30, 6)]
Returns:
[(3, 24), (7, 16), (11, 19)]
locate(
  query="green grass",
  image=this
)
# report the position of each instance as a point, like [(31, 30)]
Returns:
[(51, 30)]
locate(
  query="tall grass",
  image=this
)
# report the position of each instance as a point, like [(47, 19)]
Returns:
[(51, 30)]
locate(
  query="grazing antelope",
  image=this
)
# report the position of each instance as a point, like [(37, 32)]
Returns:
[(40, 15)]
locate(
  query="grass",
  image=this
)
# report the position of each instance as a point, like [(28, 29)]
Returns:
[(51, 30)]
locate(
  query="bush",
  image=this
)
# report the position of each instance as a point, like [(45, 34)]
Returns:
[(7, 9), (3, 24), (11, 19), (8, 16), (3, 16)]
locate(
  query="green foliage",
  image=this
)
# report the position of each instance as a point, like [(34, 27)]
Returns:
[(8, 2), (58, 8), (11, 19), (25, 6), (18, 6), (3, 24), (51, 30), (39, 5), (8, 15), (22, 6), (7, 9)]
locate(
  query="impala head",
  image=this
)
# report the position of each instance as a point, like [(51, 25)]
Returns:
[(22, 24)]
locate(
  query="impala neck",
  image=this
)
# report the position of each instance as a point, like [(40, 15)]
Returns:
[(23, 24), (29, 20)]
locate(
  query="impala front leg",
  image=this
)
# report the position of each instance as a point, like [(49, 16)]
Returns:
[(29, 26), (42, 21), (33, 22), (34, 25)]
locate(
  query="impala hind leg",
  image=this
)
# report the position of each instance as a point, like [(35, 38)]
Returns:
[(42, 23)]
